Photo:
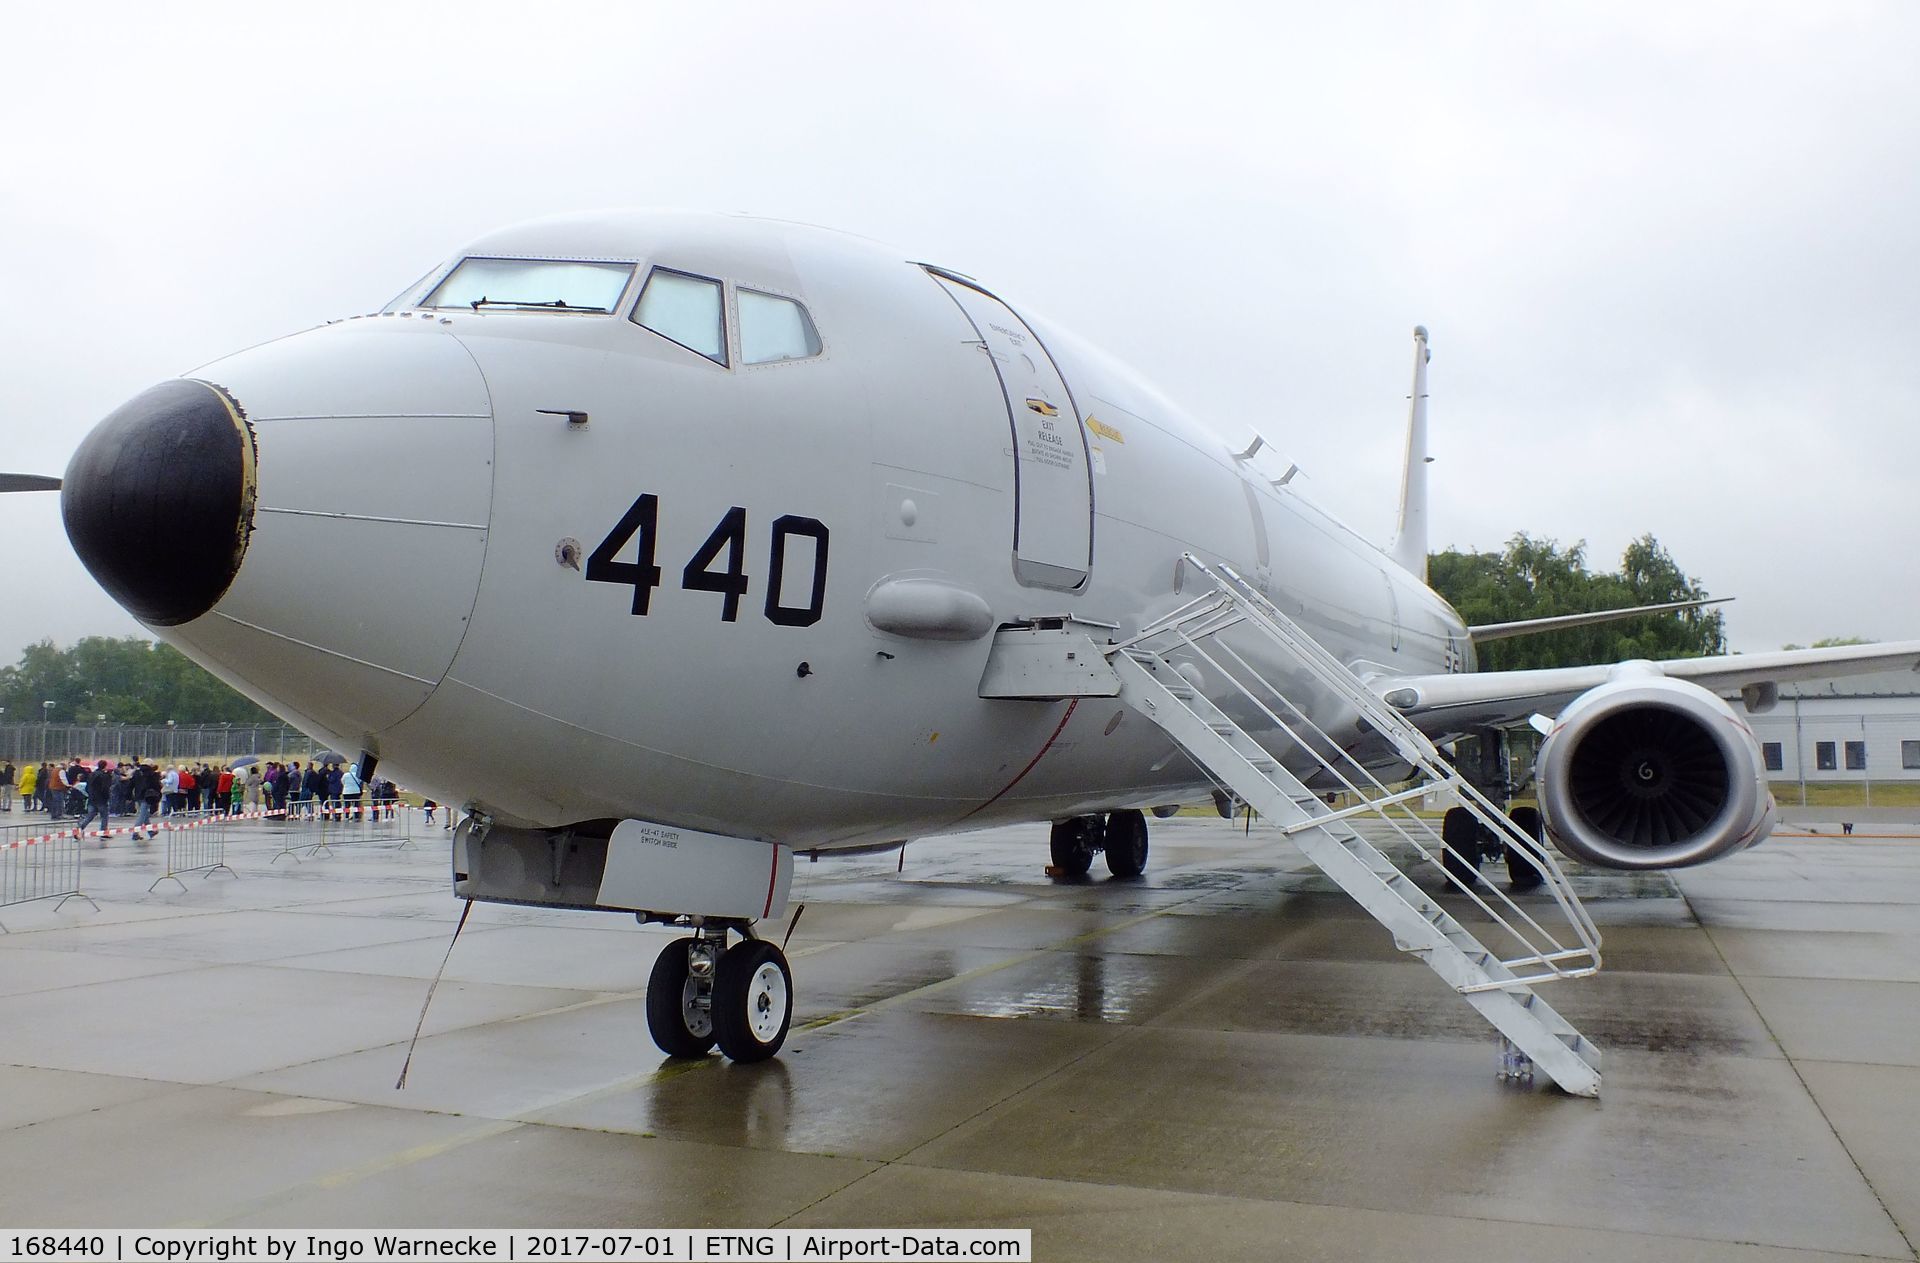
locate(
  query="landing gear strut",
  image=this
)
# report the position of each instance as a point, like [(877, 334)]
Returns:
[(1469, 844), (703, 993)]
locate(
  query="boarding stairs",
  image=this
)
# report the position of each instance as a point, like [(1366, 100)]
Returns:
[(1173, 671)]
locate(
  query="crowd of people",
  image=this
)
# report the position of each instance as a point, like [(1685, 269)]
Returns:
[(324, 791)]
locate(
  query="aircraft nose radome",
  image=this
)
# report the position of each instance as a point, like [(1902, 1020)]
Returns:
[(370, 527), (159, 500)]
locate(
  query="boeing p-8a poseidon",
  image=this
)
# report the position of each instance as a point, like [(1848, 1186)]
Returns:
[(720, 539)]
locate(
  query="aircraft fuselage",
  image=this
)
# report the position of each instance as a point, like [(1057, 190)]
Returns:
[(561, 567)]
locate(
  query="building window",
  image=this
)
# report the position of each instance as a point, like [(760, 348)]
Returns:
[(1856, 756), (1775, 763), (1823, 756), (1910, 755)]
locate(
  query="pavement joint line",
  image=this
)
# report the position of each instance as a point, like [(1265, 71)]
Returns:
[(905, 1159), (381, 1165), (357, 1172), (1892, 1220), (592, 1001), (1169, 1018), (176, 1084), (530, 1117)]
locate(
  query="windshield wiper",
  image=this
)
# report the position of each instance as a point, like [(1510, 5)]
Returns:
[(558, 304)]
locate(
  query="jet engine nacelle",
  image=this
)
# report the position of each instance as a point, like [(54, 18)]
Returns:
[(1648, 772)]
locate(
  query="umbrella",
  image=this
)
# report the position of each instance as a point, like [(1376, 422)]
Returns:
[(245, 760), (329, 756)]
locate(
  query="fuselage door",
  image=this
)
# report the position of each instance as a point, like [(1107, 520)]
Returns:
[(1052, 482)]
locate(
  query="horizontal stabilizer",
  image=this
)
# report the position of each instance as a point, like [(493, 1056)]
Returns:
[(1529, 626), (28, 482)]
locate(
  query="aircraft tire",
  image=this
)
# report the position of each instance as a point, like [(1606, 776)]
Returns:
[(1519, 872), (678, 1025), (752, 1000), (1461, 832), (1126, 843), (1072, 845)]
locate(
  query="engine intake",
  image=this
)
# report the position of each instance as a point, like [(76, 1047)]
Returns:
[(1647, 772)]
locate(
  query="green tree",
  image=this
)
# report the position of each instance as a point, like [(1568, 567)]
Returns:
[(1537, 578), (129, 680), (1833, 642)]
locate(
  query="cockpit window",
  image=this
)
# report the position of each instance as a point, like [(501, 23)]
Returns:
[(773, 328), (684, 309), (551, 284)]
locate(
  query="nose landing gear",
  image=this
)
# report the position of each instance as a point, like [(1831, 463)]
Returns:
[(703, 993)]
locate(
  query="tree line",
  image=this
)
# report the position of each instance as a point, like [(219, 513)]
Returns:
[(128, 679), (1538, 578)]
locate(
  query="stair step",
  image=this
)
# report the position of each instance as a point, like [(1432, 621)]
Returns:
[(1245, 767)]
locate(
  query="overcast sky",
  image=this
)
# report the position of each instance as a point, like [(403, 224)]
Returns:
[(1669, 254)]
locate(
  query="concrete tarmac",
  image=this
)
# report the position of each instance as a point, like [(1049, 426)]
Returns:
[(1225, 1059)]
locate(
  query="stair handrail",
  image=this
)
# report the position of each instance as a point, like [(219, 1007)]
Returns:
[(1233, 600)]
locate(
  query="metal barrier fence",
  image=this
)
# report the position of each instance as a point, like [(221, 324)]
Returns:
[(196, 843), (161, 743), (317, 825), (42, 859), (38, 863)]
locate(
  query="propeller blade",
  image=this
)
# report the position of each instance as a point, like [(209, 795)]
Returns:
[(28, 482)]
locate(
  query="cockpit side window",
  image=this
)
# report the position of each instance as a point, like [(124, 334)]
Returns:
[(685, 309), (774, 328), (547, 284)]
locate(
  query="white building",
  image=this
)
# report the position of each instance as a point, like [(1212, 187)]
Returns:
[(1866, 728)]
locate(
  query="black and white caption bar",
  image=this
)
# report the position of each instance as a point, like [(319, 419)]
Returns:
[(679, 1245)]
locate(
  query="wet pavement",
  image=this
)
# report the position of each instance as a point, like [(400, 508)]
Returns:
[(1222, 1059)]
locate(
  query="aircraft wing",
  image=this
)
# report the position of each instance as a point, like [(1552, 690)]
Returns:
[(1455, 703)]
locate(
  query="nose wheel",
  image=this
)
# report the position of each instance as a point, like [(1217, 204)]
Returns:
[(680, 1000), (702, 993), (752, 1001)]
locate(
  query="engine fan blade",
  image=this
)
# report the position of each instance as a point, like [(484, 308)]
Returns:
[(28, 482)]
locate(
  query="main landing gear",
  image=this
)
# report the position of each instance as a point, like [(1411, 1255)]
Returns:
[(1470, 844), (704, 993), (1121, 834)]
